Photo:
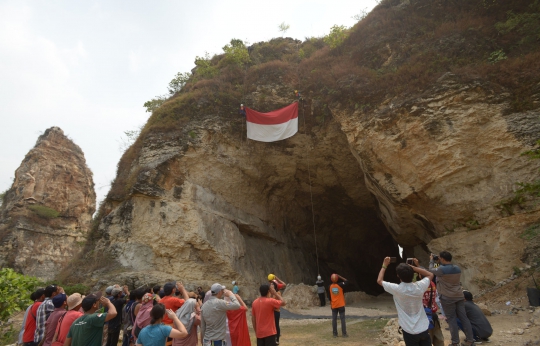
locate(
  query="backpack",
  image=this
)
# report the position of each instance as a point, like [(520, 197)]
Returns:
[(428, 308)]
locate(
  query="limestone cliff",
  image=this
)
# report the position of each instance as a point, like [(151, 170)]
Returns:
[(48, 210), (411, 133)]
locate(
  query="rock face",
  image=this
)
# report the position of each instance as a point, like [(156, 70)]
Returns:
[(208, 207), (422, 164), (48, 210)]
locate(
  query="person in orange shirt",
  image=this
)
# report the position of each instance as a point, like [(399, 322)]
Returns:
[(262, 315), (171, 302), (337, 300)]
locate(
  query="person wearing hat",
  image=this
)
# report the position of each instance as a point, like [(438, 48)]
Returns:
[(73, 302), (115, 325), (45, 310), (87, 330), (214, 315), (481, 327), (59, 302), (235, 287)]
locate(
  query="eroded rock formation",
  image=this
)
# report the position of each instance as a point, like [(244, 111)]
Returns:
[(48, 210), (392, 149)]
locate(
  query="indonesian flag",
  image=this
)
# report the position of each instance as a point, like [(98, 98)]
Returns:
[(272, 126)]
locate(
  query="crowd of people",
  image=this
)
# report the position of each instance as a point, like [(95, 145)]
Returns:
[(172, 316), (157, 316)]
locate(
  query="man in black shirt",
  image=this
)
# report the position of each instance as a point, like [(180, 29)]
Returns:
[(482, 329), (115, 324)]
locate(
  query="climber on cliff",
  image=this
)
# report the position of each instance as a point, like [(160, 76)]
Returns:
[(242, 111)]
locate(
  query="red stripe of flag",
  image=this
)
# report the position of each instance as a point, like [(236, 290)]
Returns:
[(279, 116)]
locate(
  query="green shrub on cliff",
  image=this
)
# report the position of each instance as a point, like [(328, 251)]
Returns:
[(338, 34), (236, 53), (44, 212)]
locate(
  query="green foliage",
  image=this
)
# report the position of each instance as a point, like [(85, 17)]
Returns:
[(338, 34), (178, 82), (531, 232), (517, 271), (236, 53), (283, 27), (526, 24), (155, 103), (43, 211), (15, 290), (204, 67), (497, 56)]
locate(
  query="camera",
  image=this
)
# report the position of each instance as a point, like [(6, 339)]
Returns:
[(435, 258)]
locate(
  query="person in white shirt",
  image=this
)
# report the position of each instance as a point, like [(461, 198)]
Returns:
[(408, 299)]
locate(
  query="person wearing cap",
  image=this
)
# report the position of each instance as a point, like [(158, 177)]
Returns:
[(118, 300), (74, 303), (87, 330), (481, 327), (262, 315), (30, 323), (45, 310), (59, 302), (320, 290), (278, 286), (214, 315)]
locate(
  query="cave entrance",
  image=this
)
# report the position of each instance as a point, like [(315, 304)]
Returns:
[(352, 240)]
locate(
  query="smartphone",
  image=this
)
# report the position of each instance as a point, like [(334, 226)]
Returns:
[(410, 261), (392, 260)]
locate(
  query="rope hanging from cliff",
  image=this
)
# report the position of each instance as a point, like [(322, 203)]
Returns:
[(310, 190)]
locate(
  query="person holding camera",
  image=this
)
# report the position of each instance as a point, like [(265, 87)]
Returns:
[(408, 299), (451, 296)]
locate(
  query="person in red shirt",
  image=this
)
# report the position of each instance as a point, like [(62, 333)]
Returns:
[(30, 326), (171, 302), (337, 300), (74, 303), (262, 315)]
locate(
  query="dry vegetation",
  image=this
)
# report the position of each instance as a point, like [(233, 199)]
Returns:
[(397, 50)]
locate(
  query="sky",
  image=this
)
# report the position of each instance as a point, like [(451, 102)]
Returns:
[(89, 66)]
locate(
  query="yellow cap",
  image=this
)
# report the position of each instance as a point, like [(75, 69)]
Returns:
[(271, 277)]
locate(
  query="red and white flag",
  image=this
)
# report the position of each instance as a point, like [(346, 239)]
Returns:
[(273, 126)]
